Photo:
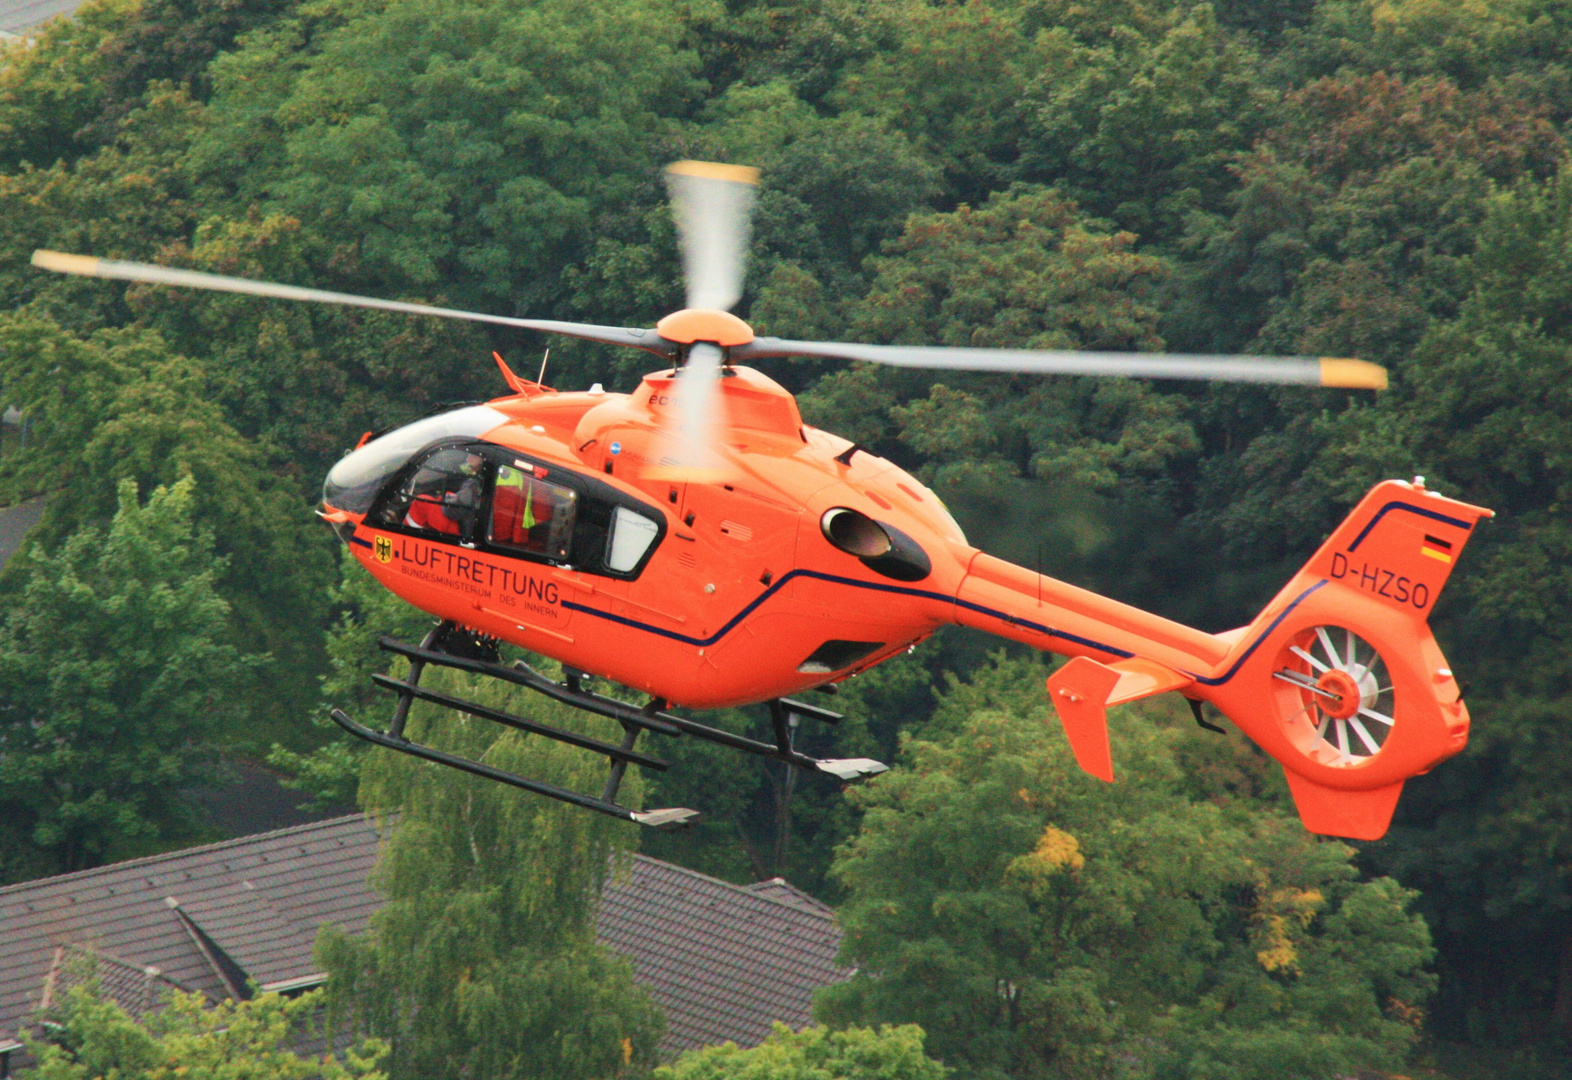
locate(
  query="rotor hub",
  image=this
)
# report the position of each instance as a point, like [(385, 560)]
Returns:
[(1347, 691), (692, 325)]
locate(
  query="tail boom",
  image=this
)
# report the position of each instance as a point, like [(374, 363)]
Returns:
[(1339, 678)]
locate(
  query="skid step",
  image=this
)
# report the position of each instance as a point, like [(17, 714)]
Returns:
[(856, 768)]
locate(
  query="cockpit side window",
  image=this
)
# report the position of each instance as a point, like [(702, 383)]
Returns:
[(529, 514), (486, 496), (442, 496)]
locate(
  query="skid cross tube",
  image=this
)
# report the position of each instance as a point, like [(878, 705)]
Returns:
[(634, 720), (521, 674), (477, 768), (620, 754), (416, 666)]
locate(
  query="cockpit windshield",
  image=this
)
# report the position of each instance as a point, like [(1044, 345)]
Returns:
[(353, 483)]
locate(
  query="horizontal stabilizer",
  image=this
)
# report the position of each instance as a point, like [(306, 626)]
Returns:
[(1354, 815), (1140, 678), (1081, 692)]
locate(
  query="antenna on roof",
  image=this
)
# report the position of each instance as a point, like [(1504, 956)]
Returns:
[(540, 380)]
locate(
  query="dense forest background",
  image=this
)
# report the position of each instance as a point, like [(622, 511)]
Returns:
[(1330, 177)]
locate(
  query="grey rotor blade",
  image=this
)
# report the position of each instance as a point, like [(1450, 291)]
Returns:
[(88, 266), (1304, 370), (713, 207)]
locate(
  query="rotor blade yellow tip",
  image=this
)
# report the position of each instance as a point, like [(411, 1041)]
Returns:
[(1355, 374), (61, 263), (714, 170)]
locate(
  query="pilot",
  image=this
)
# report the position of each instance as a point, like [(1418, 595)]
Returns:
[(462, 504), (455, 510)]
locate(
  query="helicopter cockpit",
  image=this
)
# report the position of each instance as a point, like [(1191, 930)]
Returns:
[(354, 483), (436, 480)]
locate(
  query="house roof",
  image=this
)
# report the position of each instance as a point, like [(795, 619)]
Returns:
[(724, 961), (19, 16)]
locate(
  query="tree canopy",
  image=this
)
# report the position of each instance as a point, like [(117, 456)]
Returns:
[(1037, 922), (483, 959), (889, 1053), (91, 1037)]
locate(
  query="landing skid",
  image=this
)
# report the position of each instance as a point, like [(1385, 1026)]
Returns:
[(448, 646)]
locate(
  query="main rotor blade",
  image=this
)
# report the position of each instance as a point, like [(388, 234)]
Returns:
[(88, 266), (1304, 370), (694, 423), (713, 205)]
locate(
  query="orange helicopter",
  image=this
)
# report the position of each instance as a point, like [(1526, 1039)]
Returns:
[(696, 541)]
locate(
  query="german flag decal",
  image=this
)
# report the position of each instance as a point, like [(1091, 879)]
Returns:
[(1436, 548)]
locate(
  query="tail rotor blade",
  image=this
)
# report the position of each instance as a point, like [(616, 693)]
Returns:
[(713, 206)]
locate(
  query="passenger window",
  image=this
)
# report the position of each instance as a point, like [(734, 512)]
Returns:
[(532, 515), (630, 537), (443, 496)]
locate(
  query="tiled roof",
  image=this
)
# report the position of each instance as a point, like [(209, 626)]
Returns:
[(724, 961), (778, 888), (19, 16)]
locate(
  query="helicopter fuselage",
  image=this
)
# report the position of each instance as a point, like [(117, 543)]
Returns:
[(742, 598), (746, 592)]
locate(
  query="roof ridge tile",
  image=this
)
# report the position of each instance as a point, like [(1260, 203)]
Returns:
[(146, 860)]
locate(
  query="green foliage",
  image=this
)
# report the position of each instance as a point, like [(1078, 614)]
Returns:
[(1025, 270), (433, 137), (1038, 923), (955, 81), (117, 680), (329, 774), (814, 1053), (53, 88), (1489, 416), (119, 406), (1141, 126), (91, 1037), (483, 961)]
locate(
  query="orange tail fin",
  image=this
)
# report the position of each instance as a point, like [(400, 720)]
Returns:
[(1340, 678)]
